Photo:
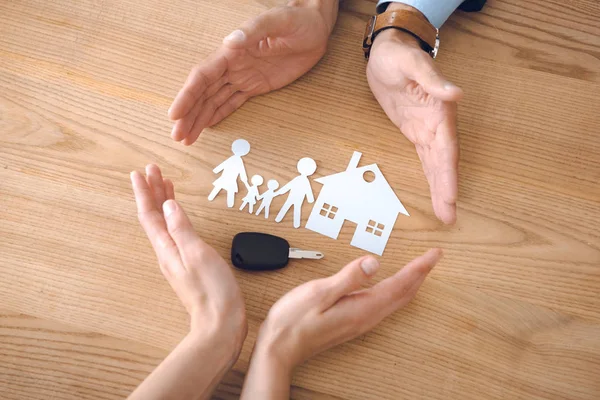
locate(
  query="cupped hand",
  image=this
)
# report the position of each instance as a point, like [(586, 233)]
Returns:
[(324, 313), (200, 277), (422, 104), (265, 54)]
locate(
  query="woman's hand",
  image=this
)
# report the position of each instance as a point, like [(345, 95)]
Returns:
[(324, 313), (200, 277), (204, 283), (265, 54), (422, 104)]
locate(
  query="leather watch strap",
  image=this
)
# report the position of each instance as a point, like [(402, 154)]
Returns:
[(411, 22)]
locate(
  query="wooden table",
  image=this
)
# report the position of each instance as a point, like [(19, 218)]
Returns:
[(513, 310)]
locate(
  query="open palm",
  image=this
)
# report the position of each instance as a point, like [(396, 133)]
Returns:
[(265, 54), (422, 104)]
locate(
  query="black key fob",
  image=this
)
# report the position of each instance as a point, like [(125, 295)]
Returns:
[(255, 251)]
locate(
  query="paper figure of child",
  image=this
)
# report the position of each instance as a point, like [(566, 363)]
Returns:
[(299, 189), (232, 168), (253, 194), (267, 197)]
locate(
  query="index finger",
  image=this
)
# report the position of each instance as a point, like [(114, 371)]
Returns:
[(198, 80), (372, 305), (398, 290), (361, 311), (446, 173)]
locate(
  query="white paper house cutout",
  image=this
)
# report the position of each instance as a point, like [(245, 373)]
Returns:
[(372, 206)]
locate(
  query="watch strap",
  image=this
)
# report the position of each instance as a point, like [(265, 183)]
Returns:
[(411, 22)]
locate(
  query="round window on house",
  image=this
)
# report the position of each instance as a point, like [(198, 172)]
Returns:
[(369, 176)]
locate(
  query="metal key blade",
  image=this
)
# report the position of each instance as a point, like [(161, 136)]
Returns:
[(298, 253)]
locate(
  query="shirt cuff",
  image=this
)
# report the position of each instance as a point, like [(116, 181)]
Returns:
[(436, 11)]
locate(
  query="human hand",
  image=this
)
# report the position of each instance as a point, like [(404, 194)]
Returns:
[(422, 104), (265, 54), (323, 313), (200, 277)]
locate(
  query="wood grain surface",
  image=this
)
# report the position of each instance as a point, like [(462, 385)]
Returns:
[(513, 310)]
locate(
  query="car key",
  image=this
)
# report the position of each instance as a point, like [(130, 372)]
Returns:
[(255, 251)]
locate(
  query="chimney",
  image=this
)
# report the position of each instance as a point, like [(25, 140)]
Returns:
[(354, 160)]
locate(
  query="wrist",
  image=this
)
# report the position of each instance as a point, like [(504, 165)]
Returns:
[(269, 376), (221, 354), (398, 36), (327, 8), (226, 336), (279, 345), (268, 354)]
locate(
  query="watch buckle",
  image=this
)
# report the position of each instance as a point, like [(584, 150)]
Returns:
[(368, 39), (434, 51)]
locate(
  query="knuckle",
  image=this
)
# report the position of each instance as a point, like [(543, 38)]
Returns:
[(432, 72), (164, 242), (197, 71), (401, 292), (315, 289), (176, 229), (348, 280), (202, 254), (141, 217)]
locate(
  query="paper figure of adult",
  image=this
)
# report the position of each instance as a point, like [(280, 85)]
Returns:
[(232, 168), (299, 189)]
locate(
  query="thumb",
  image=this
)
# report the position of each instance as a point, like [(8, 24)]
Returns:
[(426, 74), (180, 228), (268, 24), (349, 279)]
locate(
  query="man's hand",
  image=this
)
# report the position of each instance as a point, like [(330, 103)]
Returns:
[(422, 104), (265, 54), (321, 314)]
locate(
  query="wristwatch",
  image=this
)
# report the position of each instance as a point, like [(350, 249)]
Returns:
[(412, 22)]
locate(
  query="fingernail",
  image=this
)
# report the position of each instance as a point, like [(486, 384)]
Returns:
[(168, 207), (450, 86), (369, 265), (235, 36)]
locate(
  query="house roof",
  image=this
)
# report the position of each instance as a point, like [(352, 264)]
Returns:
[(378, 193)]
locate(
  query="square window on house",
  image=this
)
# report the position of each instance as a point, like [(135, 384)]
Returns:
[(328, 211), (375, 228)]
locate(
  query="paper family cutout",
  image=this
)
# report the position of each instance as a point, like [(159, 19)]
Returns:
[(253, 194), (232, 168), (299, 189), (349, 195)]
